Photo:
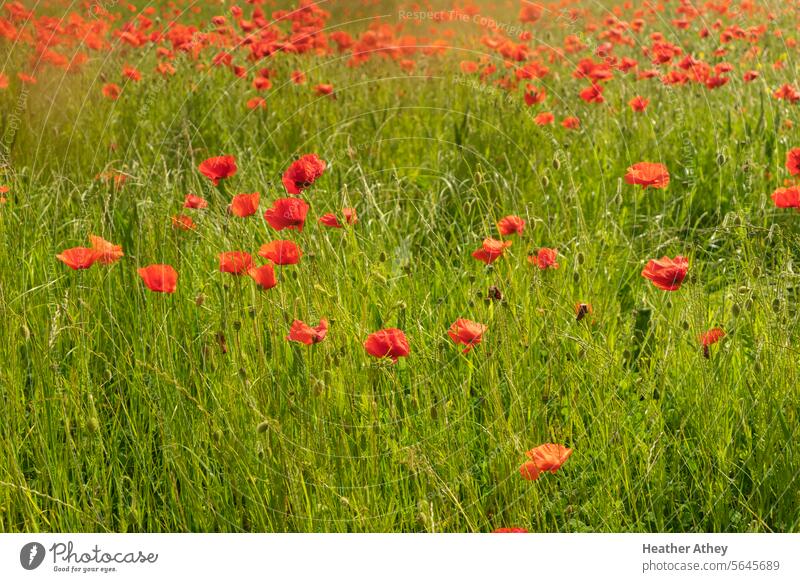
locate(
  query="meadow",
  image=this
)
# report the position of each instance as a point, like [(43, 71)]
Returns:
[(125, 409)]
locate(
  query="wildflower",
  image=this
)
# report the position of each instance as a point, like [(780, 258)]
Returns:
[(466, 332), (287, 213), (665, 273), (281, 252), (79, 257), (305, 334), (491, 250), (218, 168), (511, 225), (302, 173), (648, 175), (243, 205), (387, 343), (159, 278), (235, 262), (544, 259)]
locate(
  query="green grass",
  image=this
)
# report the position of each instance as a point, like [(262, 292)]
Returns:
[(122, 410)]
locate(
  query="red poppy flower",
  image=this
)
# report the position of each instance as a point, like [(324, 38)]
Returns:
[(547, 457), (79, 257), (534, 95), (545, 118), (243, 205), (793, 161), (182, 222), (787, 92), (511, 225), (468, 67), (466, 332), (665, 273), (287, 213), (639, 103), (571, 123), (298, 77), (305, 334), (350, 216), (750, 76), (787, 197), (324, 89), (330, 220), (510, 530), (257, 103), (491, 250), (235, 262), (218, 168), (193, 201), (112, 91), (302, 173), (529, 471), (648, 175), (544, 259), (107, 252), (387, 343), (159, 278), (131, 73), (264, 276), (281, 252), (262, 84), (592, 94), (709, 338)]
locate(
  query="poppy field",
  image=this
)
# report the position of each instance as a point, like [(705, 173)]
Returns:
[(372, 266)]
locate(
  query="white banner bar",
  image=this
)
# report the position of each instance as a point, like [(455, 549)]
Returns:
[(389, 557)]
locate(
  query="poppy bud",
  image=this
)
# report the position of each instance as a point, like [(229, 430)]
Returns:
[(576, 276), (545, 181), (199, 300), (93, 425), (748, 305), (685, 325), (735, 309), (382, 257), (721, 159), (744, 289), (776, 305), (556, 163), (580, 258), (263, 426)]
